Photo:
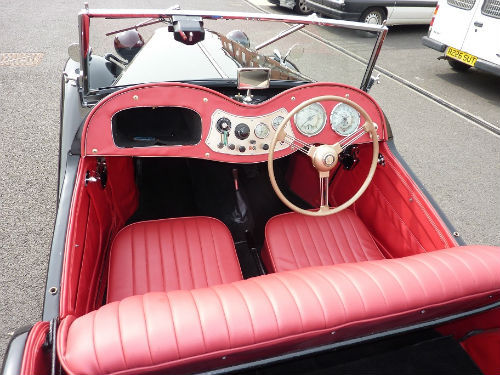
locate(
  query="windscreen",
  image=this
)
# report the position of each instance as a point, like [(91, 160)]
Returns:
[(293, 51)]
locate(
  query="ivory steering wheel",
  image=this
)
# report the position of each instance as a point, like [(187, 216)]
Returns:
[(324, 157)]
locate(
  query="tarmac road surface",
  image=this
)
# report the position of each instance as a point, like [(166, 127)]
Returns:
[(456, 158)]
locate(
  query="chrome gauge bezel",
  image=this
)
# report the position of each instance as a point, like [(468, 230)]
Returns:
[(354, 115), (323, 118)]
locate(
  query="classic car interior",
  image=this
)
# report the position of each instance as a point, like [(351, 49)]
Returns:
[(255, 230), (181, 258)]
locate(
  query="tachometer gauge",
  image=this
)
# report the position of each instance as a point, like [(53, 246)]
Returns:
[(277, 122), (345, 119), (311, 119), (261, 130)]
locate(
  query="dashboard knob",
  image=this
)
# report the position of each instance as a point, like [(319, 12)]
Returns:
[(242, 149), (242, 131), (231, 146), (265, 146), (220, 145)]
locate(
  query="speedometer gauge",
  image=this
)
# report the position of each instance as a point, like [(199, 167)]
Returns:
[(345, 119), (311, 119)]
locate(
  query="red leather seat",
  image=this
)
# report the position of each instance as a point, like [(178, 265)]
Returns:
[(171, 254), (296, 241)]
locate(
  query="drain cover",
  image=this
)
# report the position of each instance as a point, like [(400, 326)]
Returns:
[(20, 59)]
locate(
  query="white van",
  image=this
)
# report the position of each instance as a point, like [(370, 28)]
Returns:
[(468, 32)]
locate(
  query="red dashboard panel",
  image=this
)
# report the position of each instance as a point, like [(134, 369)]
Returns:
[(207, 103)]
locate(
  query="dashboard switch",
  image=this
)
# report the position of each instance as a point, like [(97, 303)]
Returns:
[(242, 148), (231, 146), (220, 145)]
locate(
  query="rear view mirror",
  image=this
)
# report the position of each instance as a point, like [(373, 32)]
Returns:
[(74, 52), (253, 78)]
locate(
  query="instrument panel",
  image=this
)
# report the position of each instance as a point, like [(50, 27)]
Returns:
[(226, 130), (245, 135)]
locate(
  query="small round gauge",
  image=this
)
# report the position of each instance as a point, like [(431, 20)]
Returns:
[(277, 122), (261, 130), (311, 119), (345, 119)]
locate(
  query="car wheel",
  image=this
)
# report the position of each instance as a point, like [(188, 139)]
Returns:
[(374, 16), (458, 65), (301, 8)]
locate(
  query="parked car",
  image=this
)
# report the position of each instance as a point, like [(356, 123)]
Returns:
[(222, 212), (399, 12), (298, 6), (467, 32)]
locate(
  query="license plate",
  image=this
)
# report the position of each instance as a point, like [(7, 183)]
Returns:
[(461, 56)]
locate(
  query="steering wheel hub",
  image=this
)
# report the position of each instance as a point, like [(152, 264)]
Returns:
[(324, 158)]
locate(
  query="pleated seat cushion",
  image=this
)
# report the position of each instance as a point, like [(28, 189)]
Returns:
[(296, 241), (171, 254)]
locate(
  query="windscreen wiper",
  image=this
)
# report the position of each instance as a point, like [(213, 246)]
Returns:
[(151, 21)]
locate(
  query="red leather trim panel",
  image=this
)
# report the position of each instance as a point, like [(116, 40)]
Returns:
[(484, 349), (296, 241), (95, 217), (97, 138), (171, 254), (459, 328), (224, 324), (36, 361), (397, 214)]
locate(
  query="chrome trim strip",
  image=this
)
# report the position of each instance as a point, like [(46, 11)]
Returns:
[(212, 61), (165, 13)]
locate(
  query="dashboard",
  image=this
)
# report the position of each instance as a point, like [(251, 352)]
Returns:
[(174, 119)]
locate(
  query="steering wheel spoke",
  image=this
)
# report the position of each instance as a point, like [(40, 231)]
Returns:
[(324, 182), (296, 144), (350, 139)]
